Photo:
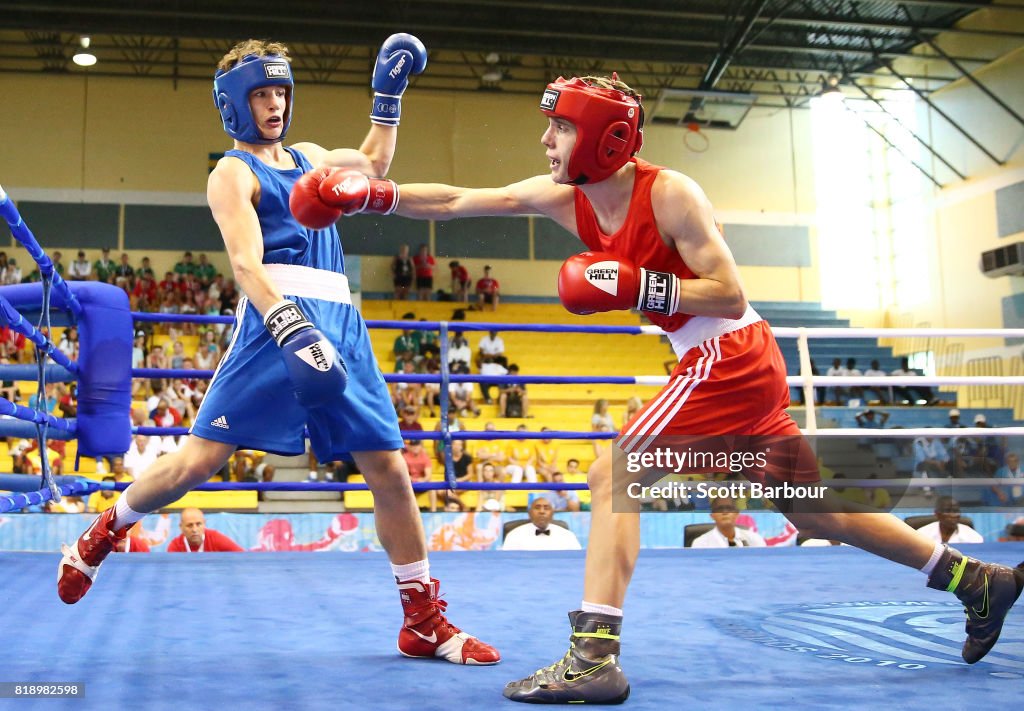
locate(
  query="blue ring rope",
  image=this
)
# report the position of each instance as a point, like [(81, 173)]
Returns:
[(41, 342)]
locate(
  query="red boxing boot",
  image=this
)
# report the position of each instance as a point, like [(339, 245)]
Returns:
[(80, 564), (428, 633)]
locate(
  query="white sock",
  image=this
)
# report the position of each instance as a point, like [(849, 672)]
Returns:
[(124, 515), (420, 570), (603, 609), (936, 554)]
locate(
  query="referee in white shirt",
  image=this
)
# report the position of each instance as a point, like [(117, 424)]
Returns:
[(726, 534), (539, 534)]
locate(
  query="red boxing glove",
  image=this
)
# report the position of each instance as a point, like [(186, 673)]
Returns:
[(352, 192), (305, 202), (597, 281)]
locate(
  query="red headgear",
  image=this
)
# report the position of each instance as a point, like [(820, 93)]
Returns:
[(609, 126)]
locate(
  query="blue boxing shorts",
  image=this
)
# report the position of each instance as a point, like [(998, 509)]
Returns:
[(250, 402)]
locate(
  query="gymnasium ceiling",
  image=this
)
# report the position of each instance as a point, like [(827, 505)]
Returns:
[(780, 51)]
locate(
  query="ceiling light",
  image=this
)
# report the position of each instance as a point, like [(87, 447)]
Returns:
[(84, 58)]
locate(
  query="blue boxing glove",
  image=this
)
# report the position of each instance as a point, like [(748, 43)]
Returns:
[(399, 56), (316, 370)]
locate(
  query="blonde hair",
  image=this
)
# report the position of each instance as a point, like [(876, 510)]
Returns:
[(613, 82), (261, 48)]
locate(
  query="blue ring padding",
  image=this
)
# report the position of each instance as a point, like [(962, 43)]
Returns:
[(31, 482), (105, 334), (344, 486), (171, 373), (11, 427), (28, 414), (10, 316), (15, 502), (30, 373)]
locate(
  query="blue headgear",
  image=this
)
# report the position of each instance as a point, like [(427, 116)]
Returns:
[(231, 91)]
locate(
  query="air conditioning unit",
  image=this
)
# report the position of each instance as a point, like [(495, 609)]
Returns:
[(1004, 260)]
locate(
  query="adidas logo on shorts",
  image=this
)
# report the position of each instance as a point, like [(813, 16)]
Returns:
[(221, 422)]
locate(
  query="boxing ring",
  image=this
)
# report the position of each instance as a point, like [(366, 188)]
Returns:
[(794, 627)]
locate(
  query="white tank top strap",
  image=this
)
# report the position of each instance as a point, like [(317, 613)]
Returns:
[(702, 328), (310, 283)]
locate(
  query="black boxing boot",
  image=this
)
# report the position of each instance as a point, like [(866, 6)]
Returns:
[(589, 673), (987, 591)]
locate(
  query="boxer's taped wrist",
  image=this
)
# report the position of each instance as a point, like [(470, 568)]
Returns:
[(284, 319), (659, 292)]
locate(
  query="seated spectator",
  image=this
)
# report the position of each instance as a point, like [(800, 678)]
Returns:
[(197, 538), (185, 266), (546, 457), (488, 291), (491, 451), (490, 368), (854, 391), (409, 420), (100, 501), (460, 281), (490, 499), (124, 274), (567, 500), (177, 355), (633, 406), (513, 400), (67, 504), (491, 349), (68, 344), (208, 353), (68, 403), (462, 462), (572, 467), (12, 274), (521, 459), (427, 345), (1003, 495), (145, 270), (726, 534), (601, 416), (460, 395), (142, 452), (459, 351), (163, 415), (539, 534), (79, 269), (911, 394), (404, 347), (948, 528), (930, 457), (250, 465), (871, 419), (408, 394), (839, 393), (157, 358), (602, 445), (104, 266), (877, 392), (419, 464), (204, 271)]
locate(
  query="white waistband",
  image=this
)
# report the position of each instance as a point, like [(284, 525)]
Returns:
[(309, 283), (701, 328)]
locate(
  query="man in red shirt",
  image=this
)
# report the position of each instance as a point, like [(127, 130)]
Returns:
[(487, 290), (460, 281), (419, 464), (197, 538), (424, 264), (657, 249)]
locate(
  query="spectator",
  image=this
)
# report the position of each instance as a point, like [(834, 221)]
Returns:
[(103, 499), (185, 266), (156, 358), (491, 349), (1002, 495), (251, 465), (9, 388), (954, 419), (402, 270), (948, 528), (409, 421), (142, 452), (633, 406), (427, 345), (820, 397), (460, 395), (460, 281), (204, 271), (462, 462), (139, 350), (405, 343), (407, 394), (145, 287), (12, 274), (424, 264), (133, 543), (177, 355), (838, 392), (488, 290), (539, 534), (513, 400), (58, 265), (418, 461), (68, 344), (124, 274), (853, 371), (3, 264), (228, 296), (877, 392), (871, 419), (145, 270), (68, 403), (68, 504), (490, 368), (163, 415), (601, 445), (208, 354), (80, 269), (930, 457), (459, 351), (521, 460), (490, 452), (546, 457), (726, 534), (104, 266), (490, 499), (911, 394), (197, 538), (601, 417), (567, 500)]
